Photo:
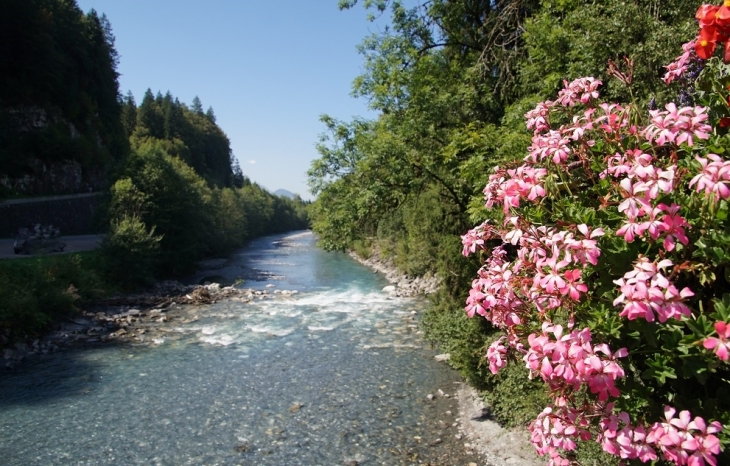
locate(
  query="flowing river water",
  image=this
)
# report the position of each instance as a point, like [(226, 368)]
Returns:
[(337, 374)]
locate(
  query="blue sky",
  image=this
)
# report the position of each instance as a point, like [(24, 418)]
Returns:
[(268, 68)]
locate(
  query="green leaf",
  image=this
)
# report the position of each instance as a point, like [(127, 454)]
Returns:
[(659, 369), (701, 326)]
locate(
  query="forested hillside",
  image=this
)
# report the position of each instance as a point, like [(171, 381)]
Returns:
[(174, 193), (65, 129), (59, 109), (181, 196), (188, 134), (476, 93)]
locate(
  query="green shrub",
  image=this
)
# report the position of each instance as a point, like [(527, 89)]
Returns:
[(514, 399), (363, 248), (130, 251), (37, 291)]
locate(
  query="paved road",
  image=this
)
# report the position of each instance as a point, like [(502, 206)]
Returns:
[(73, 244), (31, 200)]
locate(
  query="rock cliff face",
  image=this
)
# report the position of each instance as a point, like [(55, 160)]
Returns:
[(402, 285), (54, 174), (61, 177)]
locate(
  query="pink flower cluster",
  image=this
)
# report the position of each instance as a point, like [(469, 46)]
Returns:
[(685, 441), (721, 344), (537, 119), (492, 295), (714, 176), (677, 125), (509, 186), (678, 67), (558, 429), (496, 355), (646, 291), (681, 440), (552, 146), (474, 239), (619, 438), (545, 279), (642, 183), (569, 361), (540, 274), (579, 90)]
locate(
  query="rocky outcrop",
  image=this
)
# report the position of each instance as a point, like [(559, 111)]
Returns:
[(59, 177), (48, 173), (402, 285)]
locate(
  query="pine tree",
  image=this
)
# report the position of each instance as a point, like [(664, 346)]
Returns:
[(210, 115), (198, 106), (129, 113)]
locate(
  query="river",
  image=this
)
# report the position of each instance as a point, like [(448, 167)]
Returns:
[(337, 374)]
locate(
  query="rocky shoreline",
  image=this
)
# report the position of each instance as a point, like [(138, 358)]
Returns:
[(135, 318), (401, 285)]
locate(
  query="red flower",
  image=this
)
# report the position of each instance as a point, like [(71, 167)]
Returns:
[(722, 17), (706, 43), (706, 15)]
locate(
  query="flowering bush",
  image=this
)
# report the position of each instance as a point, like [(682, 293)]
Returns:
[(611, 268)]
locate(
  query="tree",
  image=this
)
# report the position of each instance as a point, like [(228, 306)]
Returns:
[(197, 106), (210, 115), (129, 113)]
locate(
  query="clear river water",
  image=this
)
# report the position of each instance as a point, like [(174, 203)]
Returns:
[(336, 374)]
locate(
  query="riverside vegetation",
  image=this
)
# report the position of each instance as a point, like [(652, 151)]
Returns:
[(175, 193), (602, 266)]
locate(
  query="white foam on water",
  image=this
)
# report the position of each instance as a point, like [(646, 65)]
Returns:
[(208, 330), (315, 328), (223, 340), (354, 303), (277, 332)]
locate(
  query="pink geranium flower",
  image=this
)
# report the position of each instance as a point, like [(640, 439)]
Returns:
[(580, 90), (496, 354), (678, 67), (714, 177), (685, 441), (537, 119), (721, 344), (677, 125)]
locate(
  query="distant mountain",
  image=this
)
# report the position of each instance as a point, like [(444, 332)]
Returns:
[(285, 193)]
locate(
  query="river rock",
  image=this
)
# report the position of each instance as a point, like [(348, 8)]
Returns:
[(389, 289)]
